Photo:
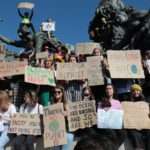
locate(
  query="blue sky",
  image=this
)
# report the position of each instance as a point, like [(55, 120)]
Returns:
[(72, 16)]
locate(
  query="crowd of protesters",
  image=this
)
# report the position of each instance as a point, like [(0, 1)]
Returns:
[(18, 96)]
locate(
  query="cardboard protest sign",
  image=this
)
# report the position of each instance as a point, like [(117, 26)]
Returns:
[(125, 64), (48, 26), (27, 124), (94, 71), (110, 119), (54, 126), (136, 115), (2, 49), (12, 68), (81, 115), (2, 126), (42, 55), (86, 48), (25, 5), (2, 52), (71, 71), (39, 76)]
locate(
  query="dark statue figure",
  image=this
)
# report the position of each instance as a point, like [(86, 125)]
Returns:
[(118, 27), (26, 27), (30, 40)]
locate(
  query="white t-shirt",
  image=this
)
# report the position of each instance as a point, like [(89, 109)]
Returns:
[(37, 109), (6, 116)]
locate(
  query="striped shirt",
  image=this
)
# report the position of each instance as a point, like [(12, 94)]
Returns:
[(73, 91)]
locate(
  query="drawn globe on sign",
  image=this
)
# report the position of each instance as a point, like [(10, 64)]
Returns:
[(134, 69), (54, 125)]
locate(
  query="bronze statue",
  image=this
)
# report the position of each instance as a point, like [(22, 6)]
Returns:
[(117, 26), (26, 27)]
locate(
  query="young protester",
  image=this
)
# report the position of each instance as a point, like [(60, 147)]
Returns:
[(109, 102), (136, 93), (59, 98), (30, 106), (45, 92), (97, 52), (48, 63), (146, 65), (140, 139), (73, 89), (87, 94), (95, 89), (7, 110), (122, 85)]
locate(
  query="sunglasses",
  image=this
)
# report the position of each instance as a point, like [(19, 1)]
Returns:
[(57, 92)]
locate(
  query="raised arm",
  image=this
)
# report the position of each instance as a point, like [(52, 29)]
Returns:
[(20, 14), (31, 14)]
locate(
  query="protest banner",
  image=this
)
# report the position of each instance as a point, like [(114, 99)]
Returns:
[(86, 48), (94, 71), (12, 68), (54, 126), (48, 26), (136, 115), (125, 64), (25, 5), (42, 55), (71, 71), (81, 115), (27, 124), (2, 126), (39, 76), (110, 119)]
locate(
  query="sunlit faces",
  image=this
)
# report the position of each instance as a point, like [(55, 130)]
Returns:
[(109, 91), (58, 95), (4, 101), (86, 92), (27, 98), (136, 93), (48, 63), (4, 106), (97, 52), (31, 98), (73, 59)]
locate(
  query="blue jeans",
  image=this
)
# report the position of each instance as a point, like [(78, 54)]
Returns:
[(70, 142), (4, 139), (26, 141), (69, 145)]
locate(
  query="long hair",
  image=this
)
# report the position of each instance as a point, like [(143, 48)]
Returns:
[(63, 97), (33, 95), (4, 97), (73, 55), (105, 101), (90, 91)]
